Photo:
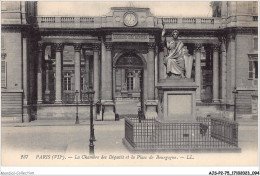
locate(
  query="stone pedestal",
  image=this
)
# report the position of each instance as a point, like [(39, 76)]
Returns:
[(151, 112), (108, 107), (177, 100), (26, 114)]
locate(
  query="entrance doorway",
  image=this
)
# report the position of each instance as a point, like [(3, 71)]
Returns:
[(128, 89)]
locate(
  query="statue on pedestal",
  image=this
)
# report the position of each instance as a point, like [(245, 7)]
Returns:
[(177, 60)]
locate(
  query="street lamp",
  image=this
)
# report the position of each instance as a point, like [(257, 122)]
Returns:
[(77, 110), (90, 94), (235, 104)]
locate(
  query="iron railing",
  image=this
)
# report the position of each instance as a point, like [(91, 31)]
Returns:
[(205, 133), (69, 98)]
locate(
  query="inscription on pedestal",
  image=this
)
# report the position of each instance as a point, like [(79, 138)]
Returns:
[(126, 37)]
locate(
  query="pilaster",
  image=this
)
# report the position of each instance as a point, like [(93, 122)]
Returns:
[(198, 70), (58, 72), (215, 73), (96, 49), (107, 83), (39, 73), (151, 103), (223, 70), (77, 49)]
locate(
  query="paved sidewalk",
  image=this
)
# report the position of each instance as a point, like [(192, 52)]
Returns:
[(66, 138)]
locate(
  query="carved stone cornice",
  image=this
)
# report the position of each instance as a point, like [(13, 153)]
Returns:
[(109, 46), (58, 47), (77, 47), (198, 47), (96, 47), (246, 30), (151, 45)]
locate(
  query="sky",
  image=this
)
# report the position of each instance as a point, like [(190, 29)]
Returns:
[(99, 8)]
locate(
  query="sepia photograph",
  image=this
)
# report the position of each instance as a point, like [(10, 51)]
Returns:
[(129, 83)]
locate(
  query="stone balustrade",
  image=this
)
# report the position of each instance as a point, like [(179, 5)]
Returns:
[(192, 23), (65, 19), (95, 22), (172, 20), (65, 22)]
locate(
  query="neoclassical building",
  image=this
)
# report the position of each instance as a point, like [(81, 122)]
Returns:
[(45, 59)]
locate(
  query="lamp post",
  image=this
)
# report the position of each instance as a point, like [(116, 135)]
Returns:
[(235, 104), (90, 94), (77, 104)]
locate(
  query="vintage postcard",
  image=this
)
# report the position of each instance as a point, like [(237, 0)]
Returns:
[(139, 83)]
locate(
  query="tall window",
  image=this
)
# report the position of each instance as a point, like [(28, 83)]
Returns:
[(256, 43), (3, 74), (253, 68), (82, 82), (130, 81), (2, 42), (67, 81), (255, 5)]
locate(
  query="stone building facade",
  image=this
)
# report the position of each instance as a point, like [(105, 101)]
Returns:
[(45, 59)]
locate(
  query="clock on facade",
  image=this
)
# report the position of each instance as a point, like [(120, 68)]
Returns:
[(130, 19)]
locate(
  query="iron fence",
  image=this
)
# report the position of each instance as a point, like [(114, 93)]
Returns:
[(205, 133)]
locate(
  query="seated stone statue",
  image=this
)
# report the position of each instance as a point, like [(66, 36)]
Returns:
[(177, 60)]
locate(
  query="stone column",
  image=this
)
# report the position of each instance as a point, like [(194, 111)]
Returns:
[(233, 66), (156, 74), (122, 77), (96, 48), (223, 71), (151, 103), (150, 70), (108, 74), (107, 82), (215, 73), (39, 73), (162, 68), (137, 80), (198, 70), (58, 73), (87, 71), (77, 49), (25, 72), (47, 89), (26, 86)]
